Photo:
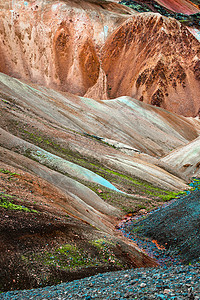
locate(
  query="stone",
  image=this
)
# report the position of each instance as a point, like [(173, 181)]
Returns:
[(142, 284), (167, 291)]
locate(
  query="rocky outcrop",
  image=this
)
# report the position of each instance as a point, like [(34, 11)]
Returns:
[(184, 11), (57, 43), (157, 66)]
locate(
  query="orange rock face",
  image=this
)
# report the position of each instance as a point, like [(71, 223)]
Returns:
[(57, 43), (180, 6), (102, 50), (155, 60)]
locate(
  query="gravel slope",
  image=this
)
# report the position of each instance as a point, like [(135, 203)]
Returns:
[(177, 226), (178, 282)]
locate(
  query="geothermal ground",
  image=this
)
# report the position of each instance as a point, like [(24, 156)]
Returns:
[(99, 150)]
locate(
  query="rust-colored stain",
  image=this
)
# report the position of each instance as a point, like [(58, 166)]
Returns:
[(180, 6), (89, 64), (157, 245)]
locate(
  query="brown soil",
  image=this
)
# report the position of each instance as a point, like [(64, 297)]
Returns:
[(26, 235)]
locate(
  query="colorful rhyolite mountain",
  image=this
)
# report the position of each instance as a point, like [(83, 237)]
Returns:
[(78, 150)]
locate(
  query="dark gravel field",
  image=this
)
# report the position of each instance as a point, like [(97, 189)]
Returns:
[(178, 282), (175, 226)]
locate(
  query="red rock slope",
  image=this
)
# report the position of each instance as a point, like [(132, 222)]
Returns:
[(56, 43), (155, 60), (103, 50), (180, 6)]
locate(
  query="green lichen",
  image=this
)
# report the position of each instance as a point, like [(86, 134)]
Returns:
[(4, 101), (66, 257), (105, 248), (101, 243), (6, 201), (4, 171), (137, 229), (36, 138), (122, 180), (70, 256)]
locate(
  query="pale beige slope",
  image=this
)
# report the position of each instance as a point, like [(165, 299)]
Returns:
[(149, 129), (186, 159), (52, 161), (147, 171), (81, 202), (152, 130), (135, 167), (195, 123)]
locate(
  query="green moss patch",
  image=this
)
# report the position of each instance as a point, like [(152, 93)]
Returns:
[(6, 201), (140, 192), (11, 174), (70, 257)]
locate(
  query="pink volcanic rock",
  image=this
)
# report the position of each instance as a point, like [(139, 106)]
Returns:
[(180, 6)]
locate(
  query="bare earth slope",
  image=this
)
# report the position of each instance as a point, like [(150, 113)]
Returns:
[(186, 158), (144, 128), (42, 243)]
